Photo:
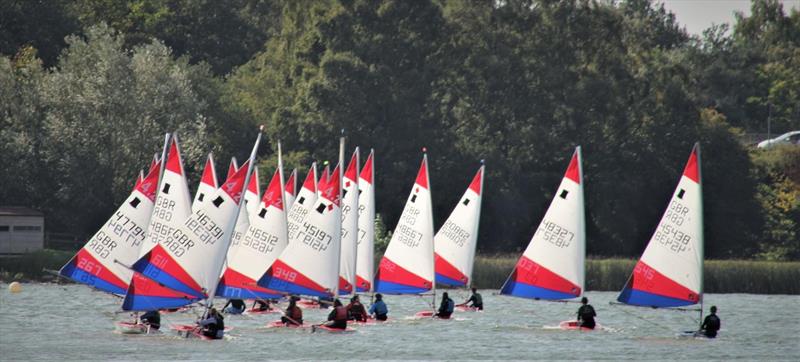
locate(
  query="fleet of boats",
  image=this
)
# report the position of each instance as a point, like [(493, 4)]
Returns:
[(161, 249)]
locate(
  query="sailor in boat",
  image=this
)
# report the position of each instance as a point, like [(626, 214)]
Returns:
[(711, 324), (261, 305), (293, 314), (379, 310), (213, 326), (356, 310), (152, 319), (586, 314), (237, 306), (338, 316), (446, 307), (475, 299)]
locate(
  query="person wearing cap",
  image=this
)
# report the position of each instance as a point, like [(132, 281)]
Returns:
[(711, 324), (356, 310), (378, 309), (586, 314)]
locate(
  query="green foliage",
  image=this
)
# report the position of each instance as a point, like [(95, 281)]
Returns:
[(516, 83), (224, 34), (32, 265), (90, 124), (41, 24), (779, 196)]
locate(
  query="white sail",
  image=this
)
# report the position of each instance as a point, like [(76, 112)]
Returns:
[(552, 266), (407, 266), (243, 220), (365, 268), (670, 271), (310, 263), (347, 263), (173, 203), (456, 240)]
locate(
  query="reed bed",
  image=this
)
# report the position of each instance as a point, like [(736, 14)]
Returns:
[(721, 276), (491, 271)]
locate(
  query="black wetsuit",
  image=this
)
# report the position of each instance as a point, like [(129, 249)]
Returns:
[(586, 316), (152, 318), (711, 325), (477, 301)]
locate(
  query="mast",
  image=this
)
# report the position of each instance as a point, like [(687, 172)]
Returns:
[(702, 233), (163, 160), (430, 191), (339, 250)]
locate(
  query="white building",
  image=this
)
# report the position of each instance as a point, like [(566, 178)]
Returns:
[(21, 230)]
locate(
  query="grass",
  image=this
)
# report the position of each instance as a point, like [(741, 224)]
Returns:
[(491, 271), (721, 276)]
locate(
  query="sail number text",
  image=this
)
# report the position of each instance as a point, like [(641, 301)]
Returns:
[(455, 233), (315, 237), (260, 240), (555, 234)]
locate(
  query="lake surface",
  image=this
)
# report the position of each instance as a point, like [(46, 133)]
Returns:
[(72, 322)]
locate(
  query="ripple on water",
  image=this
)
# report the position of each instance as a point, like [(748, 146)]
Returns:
[(57, 322)]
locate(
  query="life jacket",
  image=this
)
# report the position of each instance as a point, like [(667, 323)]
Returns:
[(295, 313), (449, 306), (341, 314)]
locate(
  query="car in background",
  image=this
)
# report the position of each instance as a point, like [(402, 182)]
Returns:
[(788, 138)]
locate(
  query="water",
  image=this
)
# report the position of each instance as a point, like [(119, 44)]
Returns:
[(70, 322)]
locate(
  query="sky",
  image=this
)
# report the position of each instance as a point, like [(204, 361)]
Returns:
[(698, 15)]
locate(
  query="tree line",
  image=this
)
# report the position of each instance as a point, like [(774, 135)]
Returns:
[(88, 88)]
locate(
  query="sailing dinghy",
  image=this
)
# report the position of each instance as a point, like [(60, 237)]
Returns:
[(407, 267), (456, 240), (365, 263), (552, 266), (669, 273)]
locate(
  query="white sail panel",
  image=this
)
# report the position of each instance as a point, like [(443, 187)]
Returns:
[(456, 240), (365, 268), (347, 266), (407, 266)]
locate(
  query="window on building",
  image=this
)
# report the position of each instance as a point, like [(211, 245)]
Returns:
[(4, 228), (27, 228)]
